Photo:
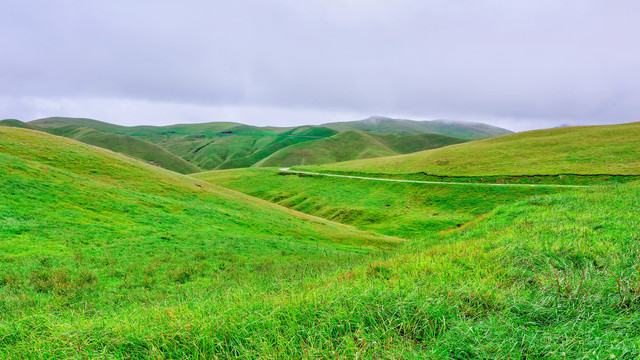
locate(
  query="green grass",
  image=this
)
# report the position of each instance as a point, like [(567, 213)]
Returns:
[(127, 145), (123, 144), (86, 234), (510, 286), (351, 145), (211, 146), (102, 256), (413, 211), (610, 149), (15, 123)]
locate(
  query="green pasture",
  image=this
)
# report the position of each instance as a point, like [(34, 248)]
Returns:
[(399, 209), (106, 257), (585, 150)]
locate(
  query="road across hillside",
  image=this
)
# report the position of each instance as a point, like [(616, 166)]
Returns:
[(429, 182)]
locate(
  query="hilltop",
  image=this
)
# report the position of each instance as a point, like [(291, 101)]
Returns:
[(385, 125), (605, 149), (123, 144), (17, 124)]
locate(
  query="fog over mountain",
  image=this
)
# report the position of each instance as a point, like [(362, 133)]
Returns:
[(518, 65)]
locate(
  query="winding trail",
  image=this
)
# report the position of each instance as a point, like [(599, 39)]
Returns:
[(429, 182)]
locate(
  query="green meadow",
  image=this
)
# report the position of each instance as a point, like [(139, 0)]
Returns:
[(103, 256), (407, 210), (586, 150), (351, 144)]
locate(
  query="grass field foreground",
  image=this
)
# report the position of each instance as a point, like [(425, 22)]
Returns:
[(548, 277), (102, 256)]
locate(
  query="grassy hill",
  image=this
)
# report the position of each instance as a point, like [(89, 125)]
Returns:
[(223, 145), (89, 235), (218, 145), (351, 145), (127, 145), (230, 145), (385, 125), (242, 146), (103, 256), (123, 144), (16, 123), (607, 149), (182, 129)]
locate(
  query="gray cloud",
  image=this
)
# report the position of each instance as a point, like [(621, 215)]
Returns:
[(518, 64)]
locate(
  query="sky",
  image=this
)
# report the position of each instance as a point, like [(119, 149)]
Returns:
[(516, 64)]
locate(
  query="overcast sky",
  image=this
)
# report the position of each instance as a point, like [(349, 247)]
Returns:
[(516, 64)]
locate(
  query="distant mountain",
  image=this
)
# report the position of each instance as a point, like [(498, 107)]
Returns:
[(15, 123), (226, 145), (207, 146), (353, 144), (142, 130), (385, 125)]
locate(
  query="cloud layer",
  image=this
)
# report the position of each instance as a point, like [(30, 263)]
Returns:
[(518, 64)]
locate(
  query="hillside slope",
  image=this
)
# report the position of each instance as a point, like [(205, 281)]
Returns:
[(37, 165), (354, 144), (127, 145), (16, 123), (239, 146), (182, 129), (607, 149), (104, 256), (123, 144), (385, 125)]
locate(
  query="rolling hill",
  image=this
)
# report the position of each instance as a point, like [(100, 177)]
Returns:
[(90, 235), (238, 146), (351, 145), (123, 144), (222, 145), (605, 149), (143, 130), (16, 123), (127, 145), (206, 146), (385, 125), (63, 165)]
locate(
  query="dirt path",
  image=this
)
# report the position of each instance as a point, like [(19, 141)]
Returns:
[(430, 182)]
